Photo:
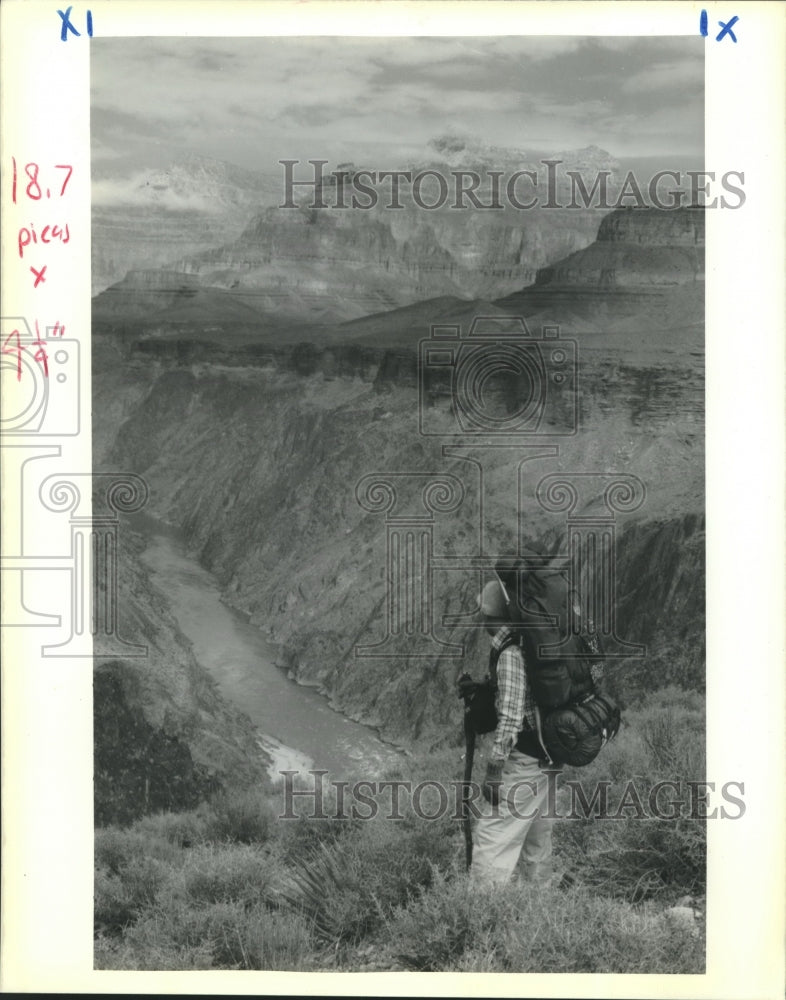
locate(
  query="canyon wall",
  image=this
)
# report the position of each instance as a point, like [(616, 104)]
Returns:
[(259, 452), (164, 737)]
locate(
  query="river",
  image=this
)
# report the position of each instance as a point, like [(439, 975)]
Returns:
[(297, 727)]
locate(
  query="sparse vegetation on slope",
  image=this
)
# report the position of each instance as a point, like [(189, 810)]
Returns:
[(228, 885)]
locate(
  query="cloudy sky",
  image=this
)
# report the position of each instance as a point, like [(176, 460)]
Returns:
[(257, 100)]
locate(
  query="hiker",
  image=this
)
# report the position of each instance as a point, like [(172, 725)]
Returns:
[(544, 703), (513, 822)]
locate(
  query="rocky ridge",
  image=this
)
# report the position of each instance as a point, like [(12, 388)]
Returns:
[(330, 265)]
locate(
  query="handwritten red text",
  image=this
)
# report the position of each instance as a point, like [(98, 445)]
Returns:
[(28, 236)]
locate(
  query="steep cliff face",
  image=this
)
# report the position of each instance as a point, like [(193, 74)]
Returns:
[(637, 248), (260, 468), (164, 738), (146, 291)]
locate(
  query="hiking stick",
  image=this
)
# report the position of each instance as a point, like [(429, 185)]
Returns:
[(469, 737)]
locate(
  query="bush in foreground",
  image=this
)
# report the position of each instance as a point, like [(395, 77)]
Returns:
[(459, 926), (347, 889), (224, 935)]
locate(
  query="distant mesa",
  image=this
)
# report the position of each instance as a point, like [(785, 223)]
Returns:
[(641, 258)]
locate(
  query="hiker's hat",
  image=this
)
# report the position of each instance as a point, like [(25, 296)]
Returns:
[(493, 601)]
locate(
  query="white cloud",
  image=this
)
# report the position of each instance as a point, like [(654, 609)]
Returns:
[(666, 75), (145, 190)]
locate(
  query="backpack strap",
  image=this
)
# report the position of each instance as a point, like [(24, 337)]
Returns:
[(540, 736), (594, 651)]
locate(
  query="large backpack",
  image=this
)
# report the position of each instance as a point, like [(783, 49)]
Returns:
[(574, 718)]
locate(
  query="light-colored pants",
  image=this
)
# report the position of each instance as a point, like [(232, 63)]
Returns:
[(517, 827)]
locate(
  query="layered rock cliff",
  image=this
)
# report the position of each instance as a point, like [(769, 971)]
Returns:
[(643, 260), (331, 264)]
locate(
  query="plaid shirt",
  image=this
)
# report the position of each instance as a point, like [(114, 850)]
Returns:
[(515, 705)]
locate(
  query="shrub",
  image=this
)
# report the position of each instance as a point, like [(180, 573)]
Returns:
[(461, 926), (114, 849), (283, 941), (237, 873), (347, 889), (224, 935), (181, 829), (121, 897), (243, 817), (150, 954), (113, 906), (301, 837), (434, 932)]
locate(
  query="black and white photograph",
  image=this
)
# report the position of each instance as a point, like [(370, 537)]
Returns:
[(391, 564), (407, 360)]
